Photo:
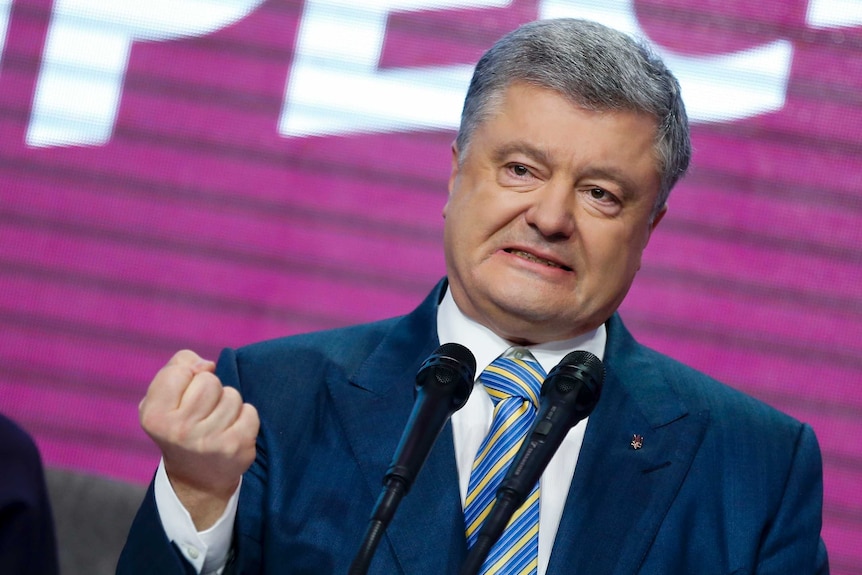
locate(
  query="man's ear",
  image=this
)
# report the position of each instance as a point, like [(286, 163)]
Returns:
[(453, 175), (658, 217), (652, 226), (654, 223)]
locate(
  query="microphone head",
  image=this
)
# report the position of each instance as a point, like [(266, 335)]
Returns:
[(451, 369), (577, 378)]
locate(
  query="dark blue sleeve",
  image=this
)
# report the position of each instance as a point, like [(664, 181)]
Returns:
[(792, 544), (245, 557), (147, 549)]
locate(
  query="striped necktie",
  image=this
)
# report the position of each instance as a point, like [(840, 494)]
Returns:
[(513, 381)]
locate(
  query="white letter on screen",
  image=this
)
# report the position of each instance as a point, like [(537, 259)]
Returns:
[(715, 88), (87, 51), (834, 13), (5, 8), (335, 86)]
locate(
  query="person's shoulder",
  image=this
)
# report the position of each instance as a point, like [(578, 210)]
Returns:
[(15, 443), (699, 391), (347, 343), (300, 369), (727, 405), (21, 463), (343, 348), (298, 364)]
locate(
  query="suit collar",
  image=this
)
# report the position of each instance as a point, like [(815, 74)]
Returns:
[(632, 370)]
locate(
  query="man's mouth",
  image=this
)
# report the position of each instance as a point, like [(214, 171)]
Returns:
[(534, 258)]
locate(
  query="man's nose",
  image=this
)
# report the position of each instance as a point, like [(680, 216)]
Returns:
[(552, 211)]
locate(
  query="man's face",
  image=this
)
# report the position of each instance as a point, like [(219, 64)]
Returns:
[(548, 214)]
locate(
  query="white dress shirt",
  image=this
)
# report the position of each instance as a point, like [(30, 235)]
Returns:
[(471, 423), (207, 550)]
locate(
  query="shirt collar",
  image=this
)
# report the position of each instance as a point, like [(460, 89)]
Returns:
[(455, 327)]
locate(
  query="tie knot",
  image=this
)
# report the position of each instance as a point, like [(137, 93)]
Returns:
[(515, 373)]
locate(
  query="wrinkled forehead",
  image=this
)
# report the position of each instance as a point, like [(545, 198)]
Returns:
[(495, 101)]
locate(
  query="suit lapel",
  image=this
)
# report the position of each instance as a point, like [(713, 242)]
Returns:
[(620, 494), (374, 409)]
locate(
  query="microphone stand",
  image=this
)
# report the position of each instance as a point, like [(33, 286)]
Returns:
[(394, 490), (443, 384)]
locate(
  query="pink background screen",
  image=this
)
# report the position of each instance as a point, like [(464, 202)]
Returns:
[(200, 180)]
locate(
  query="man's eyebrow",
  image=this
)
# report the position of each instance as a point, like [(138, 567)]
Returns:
[(628, 187), (520, 147)]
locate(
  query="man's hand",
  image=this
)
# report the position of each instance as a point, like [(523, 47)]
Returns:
[(205, 431)]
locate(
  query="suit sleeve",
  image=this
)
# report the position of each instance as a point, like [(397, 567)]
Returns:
[(792, 543), (248, 530), (148, 549)]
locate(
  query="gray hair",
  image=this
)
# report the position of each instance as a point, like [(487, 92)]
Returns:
[(595, 67)]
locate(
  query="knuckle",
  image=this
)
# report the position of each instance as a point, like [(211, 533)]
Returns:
[(207, 379), (244, 451), (229, 407), (184, 357), (169, 377), (231, 396), (231, 447), (249, 414)]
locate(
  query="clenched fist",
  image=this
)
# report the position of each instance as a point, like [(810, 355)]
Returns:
[(205, 432)]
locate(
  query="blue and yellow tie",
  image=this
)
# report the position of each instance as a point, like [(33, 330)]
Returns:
[(513, 381)]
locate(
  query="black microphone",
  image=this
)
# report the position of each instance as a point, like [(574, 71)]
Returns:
[(443, 384), (569, 394)]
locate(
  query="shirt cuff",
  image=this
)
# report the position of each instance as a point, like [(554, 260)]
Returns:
[(207, 550)]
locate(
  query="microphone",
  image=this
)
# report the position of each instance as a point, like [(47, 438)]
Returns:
[(569, 394), (443, 384)]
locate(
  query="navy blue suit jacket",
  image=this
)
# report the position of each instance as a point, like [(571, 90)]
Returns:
[(722, 484)]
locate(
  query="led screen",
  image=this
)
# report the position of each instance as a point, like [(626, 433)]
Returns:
[(209, 173)]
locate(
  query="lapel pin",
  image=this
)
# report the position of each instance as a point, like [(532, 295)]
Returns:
[(637, 441)]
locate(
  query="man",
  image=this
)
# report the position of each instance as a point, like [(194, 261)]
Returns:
[(571, 138), (27, 543)]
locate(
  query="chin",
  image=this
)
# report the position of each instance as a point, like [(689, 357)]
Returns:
[(533, 303), (546, 320), (520, 321)]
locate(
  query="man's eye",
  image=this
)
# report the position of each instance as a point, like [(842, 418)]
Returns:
[(519, 170), (599, 194)]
